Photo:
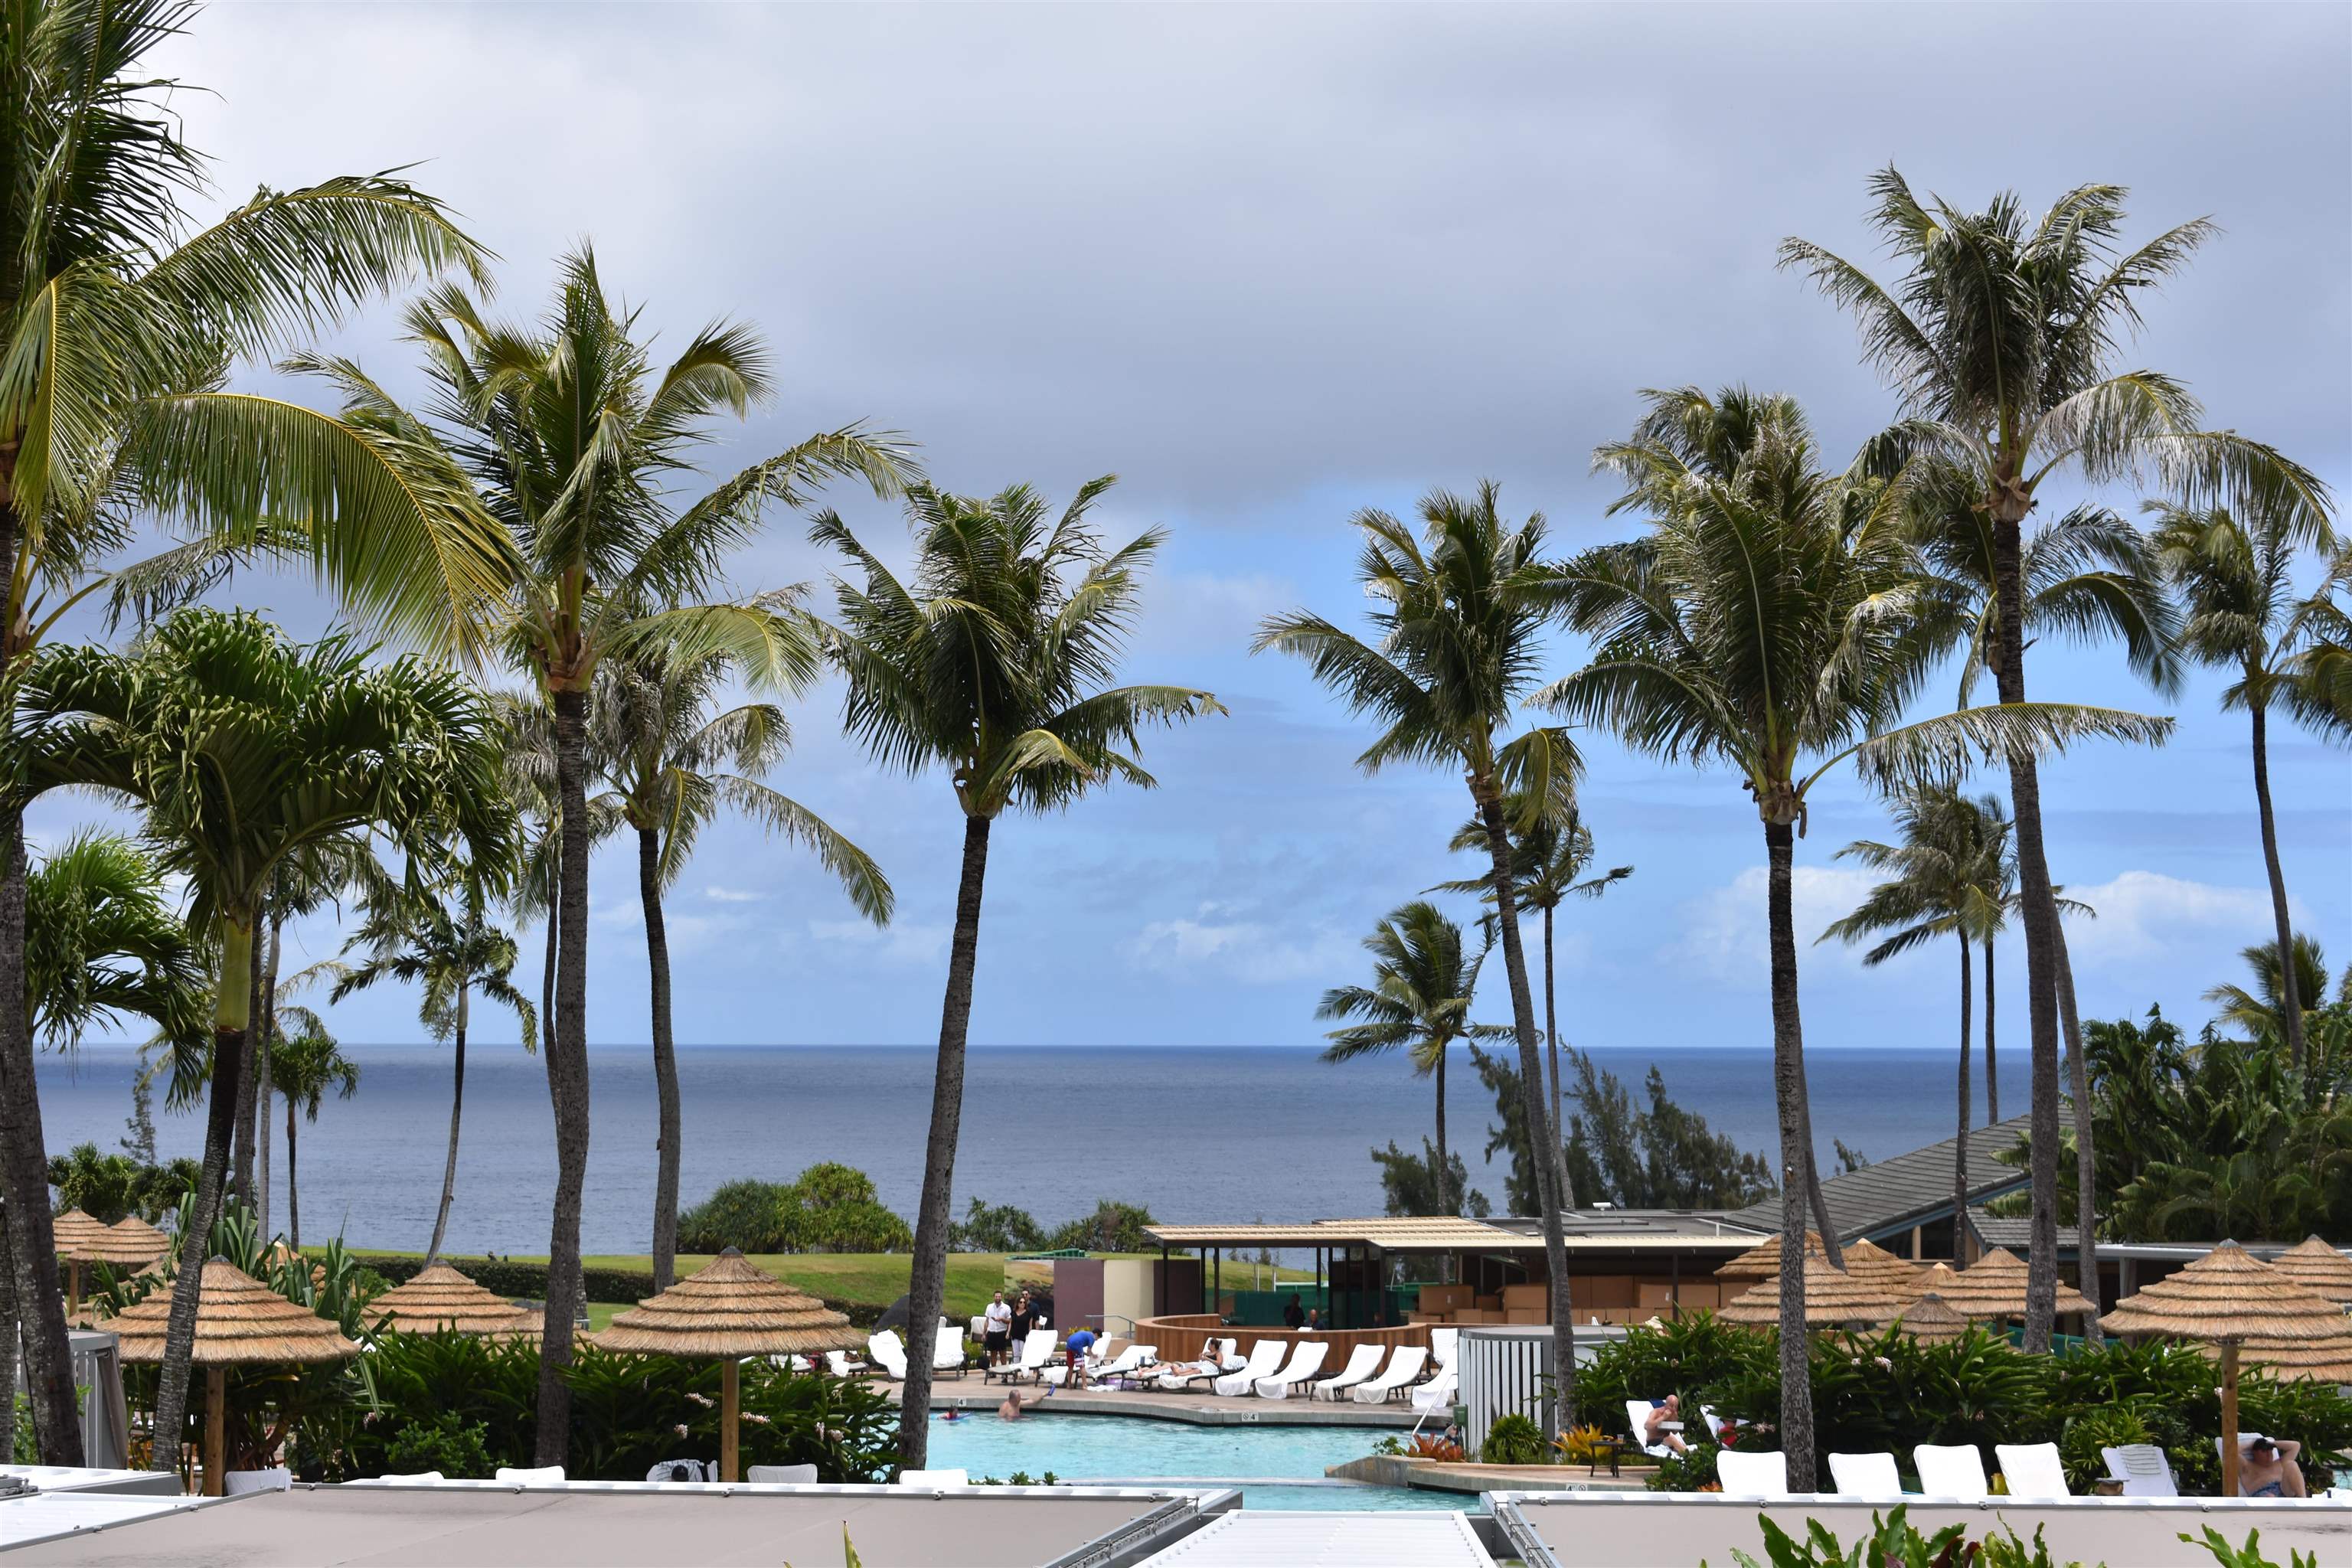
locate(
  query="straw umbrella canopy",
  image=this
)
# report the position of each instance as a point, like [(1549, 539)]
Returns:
[(72, 1228), (2319, 1269), (727, 1309), (2229, 1299), (130, 1231), (240, 1321), (1862, 1258), (1931, 1318), (1993, 1287), (440, 1298), (133, 1245), (1832, 1298)]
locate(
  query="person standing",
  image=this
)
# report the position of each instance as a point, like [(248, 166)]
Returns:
[(1024, 1319), (997, 1337), (1081, 1340), (1294, 1316)]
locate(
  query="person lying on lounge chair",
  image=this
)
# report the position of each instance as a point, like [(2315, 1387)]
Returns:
[(1654, 1431), (2268, 1468)]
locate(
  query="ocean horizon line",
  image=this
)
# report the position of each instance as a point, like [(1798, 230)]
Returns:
[(616, 1047)]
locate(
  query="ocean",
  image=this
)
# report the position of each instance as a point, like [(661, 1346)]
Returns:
[(1201, 1134)]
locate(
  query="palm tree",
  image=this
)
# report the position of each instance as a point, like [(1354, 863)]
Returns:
[(1418, 999), (242, 750), (549, 454), (418, 939), (1947, 879), (674, 765), (1458, 642), (102, 941), (991, 664), (2004, 343), (119, 314), (1549, 861), (2262, 1012), (309, 1064), (1771, 616), (2235, 568)]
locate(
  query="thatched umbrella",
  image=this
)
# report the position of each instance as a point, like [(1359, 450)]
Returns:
[(1863, 1259), (1931, 1318), (439, 1296), (134, 1244), (1832, 1298), (240, 1321), (1993, 1288), (70, 1230), (727, 1309), (2228, 1297), (2319, 1269)]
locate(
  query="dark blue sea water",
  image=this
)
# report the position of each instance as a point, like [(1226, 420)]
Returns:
[(1197, 1134)]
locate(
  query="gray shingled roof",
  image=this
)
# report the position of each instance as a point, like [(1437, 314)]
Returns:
[(1910, 1189)]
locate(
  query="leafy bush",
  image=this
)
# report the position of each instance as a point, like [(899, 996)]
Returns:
[(999, 1227), (445, 1444), (1512, 1440), (109, 1187), (1696, 1357), (1692, 1471), (1114, 1227), (830, 1207), (2250, 1555), (749, 1215)]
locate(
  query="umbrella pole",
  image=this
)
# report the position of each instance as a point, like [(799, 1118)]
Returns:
[(730, 1408), (2229, 1418), (215, 1429), (73, 1286)]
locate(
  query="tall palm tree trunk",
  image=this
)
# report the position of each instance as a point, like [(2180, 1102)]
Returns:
[(567, 1075), (1444, 1203), (2039, 906), (2086, 1172), (9, 1341), (457, 1111), (1993, 1072), (230, 1025), (32, 1241), (2290, 1002), (1551, 1024), (666, 1149), (249, 1111), (262, 1088), (1960, 1144), (1544, 1147), (1796, 1158), (293, 1193), (927, 1289)]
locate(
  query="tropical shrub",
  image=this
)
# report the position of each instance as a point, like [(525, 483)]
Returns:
[(995, 1227), (110, 1186), (1114, 1227), (1582, 1444), (830, 1207), (749, 1215), (445, 1444), (1699, 1354), (1692, 1472), (1512, 1440)]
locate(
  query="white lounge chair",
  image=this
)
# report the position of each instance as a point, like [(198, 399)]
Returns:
[(1951, 1472), (1867, 1475), (1305, 1363), (884, 1351), (412, 1479), (947, 1349), (1264, 1360), (2143, 1470), (935, 1478), (1035, 1351), (1444, 1344), (1218, 1357), (1404, 1368), (236, 1483), (682, 1470), (1437, 1393), (1361, 1362), (2032, 1469), (782, 1475), (1714, 1423), (1132, 1362), (1637, 1416), (837, 1363), (542, 1475), (1752, 1475)]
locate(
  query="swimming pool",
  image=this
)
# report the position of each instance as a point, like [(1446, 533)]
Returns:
[(1131, 1449)]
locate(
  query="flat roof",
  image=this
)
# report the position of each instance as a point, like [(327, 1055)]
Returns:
[(1674, 1530), (1588, 1230), (1387, 1539), (632, 1523)]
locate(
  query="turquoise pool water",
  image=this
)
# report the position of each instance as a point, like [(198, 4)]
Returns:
[(1126, 1448)]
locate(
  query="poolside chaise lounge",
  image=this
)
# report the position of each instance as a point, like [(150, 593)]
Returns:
[(947, 1349), (2032, 1469), (1218, 1357), (1867, 1475), (884, 1351), (1437, 1393), (934, 1477), (1955, 1471), (1443, 1345), (1265, 1359), (1305, 1363), (1752, 1475), (1637, 1416), (525, 1477), (1035, 1350), (1362, 1362), (2143, 1470), (1404, 1367)]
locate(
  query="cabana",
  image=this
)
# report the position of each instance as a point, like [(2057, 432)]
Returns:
[(2227, 1299), (726, 1310), (240, 1321), (439, 1298)]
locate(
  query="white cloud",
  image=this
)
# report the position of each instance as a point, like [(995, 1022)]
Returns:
[(902, 943), (733, 895), (1726, 933), (1252, 951), (2146, 915)]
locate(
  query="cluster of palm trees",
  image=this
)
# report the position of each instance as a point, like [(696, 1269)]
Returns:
[(1781, 614), (540, 512)]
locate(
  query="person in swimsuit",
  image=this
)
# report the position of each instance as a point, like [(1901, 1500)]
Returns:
[(1662, 1411), (2268, 1468)]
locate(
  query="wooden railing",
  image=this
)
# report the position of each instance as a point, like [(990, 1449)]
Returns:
[(1182, 1335)]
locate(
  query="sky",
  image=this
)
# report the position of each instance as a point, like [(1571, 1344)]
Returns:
[(1270, 265)]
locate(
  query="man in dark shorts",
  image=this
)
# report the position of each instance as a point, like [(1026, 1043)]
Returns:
[(998, 1338)]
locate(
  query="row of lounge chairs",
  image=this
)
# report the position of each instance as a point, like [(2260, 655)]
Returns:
[(1374, 1374), (2029, 1471)]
